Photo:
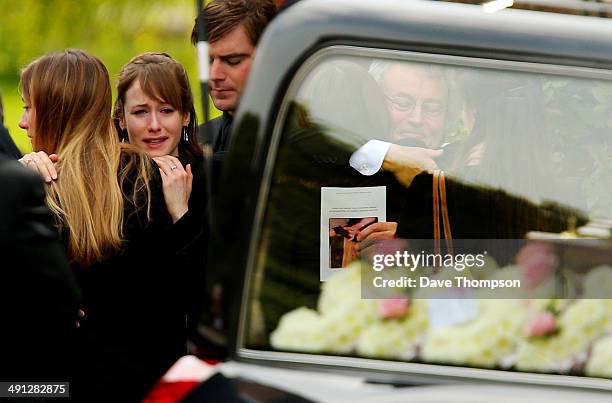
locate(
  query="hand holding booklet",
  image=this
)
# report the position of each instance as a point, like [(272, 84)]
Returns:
[(344, 213)]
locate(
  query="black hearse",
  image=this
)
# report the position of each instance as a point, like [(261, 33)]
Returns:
[(514, 106)]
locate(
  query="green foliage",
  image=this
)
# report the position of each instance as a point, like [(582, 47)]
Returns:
[(113, 30), (580, 114)]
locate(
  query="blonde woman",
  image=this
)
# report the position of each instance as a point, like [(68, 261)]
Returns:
[(125, 247)]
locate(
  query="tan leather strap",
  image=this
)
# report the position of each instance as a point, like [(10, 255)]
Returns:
[(436, 212), (448, 236)]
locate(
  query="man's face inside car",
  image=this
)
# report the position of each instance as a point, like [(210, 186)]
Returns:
[(416, 101)]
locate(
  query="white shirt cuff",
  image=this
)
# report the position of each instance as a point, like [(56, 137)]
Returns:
[(369, 158)]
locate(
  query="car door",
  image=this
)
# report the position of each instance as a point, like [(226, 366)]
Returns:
[(514, 107)]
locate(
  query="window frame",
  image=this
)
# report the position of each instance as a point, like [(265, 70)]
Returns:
[(424, 26), (385, 370)]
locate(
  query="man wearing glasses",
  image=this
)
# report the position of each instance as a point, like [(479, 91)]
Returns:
[(417, 98)]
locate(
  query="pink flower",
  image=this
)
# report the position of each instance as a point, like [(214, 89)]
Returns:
[(394, 307), (542, 324), (539, 261)]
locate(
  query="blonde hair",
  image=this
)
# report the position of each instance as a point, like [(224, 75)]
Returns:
[(71, 100)]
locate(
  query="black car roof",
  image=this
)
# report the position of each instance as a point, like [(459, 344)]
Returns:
[(430, 26)]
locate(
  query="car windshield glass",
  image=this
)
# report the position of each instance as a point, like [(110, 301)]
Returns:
[(395, 176)]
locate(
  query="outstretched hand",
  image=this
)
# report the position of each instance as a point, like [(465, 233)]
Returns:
[(355, 229), (407, 162), (376, 232), (176, 182), (42, 163)]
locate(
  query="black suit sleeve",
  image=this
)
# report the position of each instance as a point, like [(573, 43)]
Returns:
[(33, 242), (39, 298), (312, 150)]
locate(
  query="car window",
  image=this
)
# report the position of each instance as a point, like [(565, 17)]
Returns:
[(602, 9), (525, 151)]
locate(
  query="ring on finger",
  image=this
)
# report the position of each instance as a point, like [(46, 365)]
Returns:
[(173, 167)]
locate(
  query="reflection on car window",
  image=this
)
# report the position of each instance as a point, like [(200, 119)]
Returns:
[(523, 154)]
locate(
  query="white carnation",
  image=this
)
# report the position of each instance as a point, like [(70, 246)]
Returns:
[(298, 330), (482, 342), (342, 327), (395, 338), (600, 363), (343, 317), (341, 287), (579, 325)]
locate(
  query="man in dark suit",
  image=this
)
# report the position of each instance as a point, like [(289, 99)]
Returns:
[(233, 29), (39, 298), (7, 145)]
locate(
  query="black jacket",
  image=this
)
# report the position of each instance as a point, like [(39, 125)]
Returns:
[(136, 304), (39, 298), (219, 132)]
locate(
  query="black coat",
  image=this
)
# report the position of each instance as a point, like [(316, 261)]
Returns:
[(39, 299), (218, 131), (137, 303)]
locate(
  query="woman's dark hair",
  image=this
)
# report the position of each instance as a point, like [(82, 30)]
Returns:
[(510, 127), (341, 94), (162, 78)]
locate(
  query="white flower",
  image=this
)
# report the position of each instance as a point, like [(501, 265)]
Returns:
[(579, 325), (484, 341), (298, 330), (340, 288), (600, 363), (343, 317), (395, 338), (342, 327)]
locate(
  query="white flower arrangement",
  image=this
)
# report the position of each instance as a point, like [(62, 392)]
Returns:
[(599, 364), (395, 338), (482, 342), (578, 326), (341, 288), (542, 335), (336, 327), (298, 330)]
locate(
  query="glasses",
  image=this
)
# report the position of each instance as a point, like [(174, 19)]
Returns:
[(405, 103)]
